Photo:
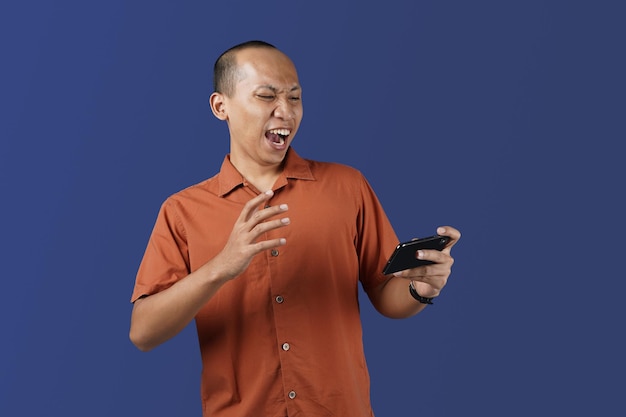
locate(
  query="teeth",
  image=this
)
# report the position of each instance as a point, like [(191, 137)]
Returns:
[(282, 132)]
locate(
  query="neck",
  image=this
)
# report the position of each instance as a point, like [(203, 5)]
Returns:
[(262, 177)]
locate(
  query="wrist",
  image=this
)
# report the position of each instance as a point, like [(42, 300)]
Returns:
[(415, 295)]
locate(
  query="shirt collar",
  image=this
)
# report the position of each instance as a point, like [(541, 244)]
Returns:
[(295, 167)]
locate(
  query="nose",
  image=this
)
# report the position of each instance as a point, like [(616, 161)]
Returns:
[(284, 110)]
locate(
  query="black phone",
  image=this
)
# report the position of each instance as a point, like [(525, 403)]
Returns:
[(404, 256)]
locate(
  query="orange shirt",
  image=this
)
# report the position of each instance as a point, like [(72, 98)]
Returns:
[(284, 338)]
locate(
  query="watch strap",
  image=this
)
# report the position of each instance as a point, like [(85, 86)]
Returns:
[(414, 294)]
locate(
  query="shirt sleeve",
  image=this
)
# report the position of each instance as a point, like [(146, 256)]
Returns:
[(377, 238), (166, 259)]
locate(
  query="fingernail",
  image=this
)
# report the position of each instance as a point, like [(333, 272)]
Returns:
[(283, 207), (285, 220), (283, 240), (269, 192), (441, 230), (420, 254)]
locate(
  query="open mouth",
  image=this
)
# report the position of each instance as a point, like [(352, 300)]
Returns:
[(277, 136)]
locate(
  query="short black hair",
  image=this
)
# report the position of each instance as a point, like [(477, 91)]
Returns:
[(225, 68)]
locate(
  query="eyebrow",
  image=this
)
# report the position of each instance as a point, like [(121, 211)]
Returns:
[(276, 90)]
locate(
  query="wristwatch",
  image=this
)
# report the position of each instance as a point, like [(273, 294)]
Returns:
[(414, 294)]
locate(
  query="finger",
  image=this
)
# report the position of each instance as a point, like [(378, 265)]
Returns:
[(266, 213), (263, 227), (452, 233), (435, 275), (252, 206), (438, 257), (269, 244)]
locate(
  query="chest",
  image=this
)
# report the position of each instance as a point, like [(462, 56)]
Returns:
[(318, 216)]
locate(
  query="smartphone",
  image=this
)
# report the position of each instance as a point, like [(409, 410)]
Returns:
[(404, 256)]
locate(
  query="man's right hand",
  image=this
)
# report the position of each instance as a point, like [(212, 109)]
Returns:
[(243, 243), (159, 317)]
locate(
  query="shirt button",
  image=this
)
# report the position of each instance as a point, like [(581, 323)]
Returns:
[(279, 299), (286, 346), (274, 252), (292, 394)]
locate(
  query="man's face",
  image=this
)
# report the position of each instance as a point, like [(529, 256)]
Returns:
[(265, 110)]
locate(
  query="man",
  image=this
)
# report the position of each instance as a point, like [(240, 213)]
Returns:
[(267, 257)]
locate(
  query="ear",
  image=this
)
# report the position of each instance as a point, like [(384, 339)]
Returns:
[(218, 105)]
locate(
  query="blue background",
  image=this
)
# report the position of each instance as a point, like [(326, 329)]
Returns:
[(505, 119)]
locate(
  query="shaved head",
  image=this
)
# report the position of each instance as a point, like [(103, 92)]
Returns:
[(226, 73)]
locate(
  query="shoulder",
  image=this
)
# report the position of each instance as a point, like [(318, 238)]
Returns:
[(333, 170), (339, 180), (192, 194)]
